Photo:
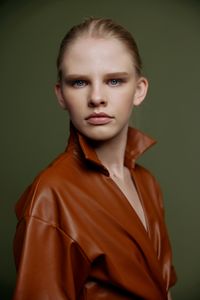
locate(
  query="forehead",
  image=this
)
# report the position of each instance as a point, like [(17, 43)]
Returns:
[(97, 55)]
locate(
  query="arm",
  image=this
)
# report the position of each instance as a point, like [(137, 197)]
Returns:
[(169, 272), (50, 264)]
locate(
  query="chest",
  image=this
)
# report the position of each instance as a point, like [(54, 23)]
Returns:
[(128, 189), (104, 215), (97, 207)]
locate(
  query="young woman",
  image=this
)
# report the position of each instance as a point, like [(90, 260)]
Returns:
[(91, 226)]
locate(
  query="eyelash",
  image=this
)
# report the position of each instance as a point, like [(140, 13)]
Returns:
[(76, 83), (117, 80), (79, 83)]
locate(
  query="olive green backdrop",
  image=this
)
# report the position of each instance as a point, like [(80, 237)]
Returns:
[(34, 129)]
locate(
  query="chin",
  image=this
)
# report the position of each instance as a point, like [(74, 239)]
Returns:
[(100, 134)]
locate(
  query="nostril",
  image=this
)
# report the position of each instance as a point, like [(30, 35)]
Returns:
[(91, 104), (96, 102)]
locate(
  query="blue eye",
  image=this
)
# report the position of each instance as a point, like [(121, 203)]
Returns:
[(115, 82), (78, 83)]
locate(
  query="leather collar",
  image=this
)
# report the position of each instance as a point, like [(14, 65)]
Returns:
[(137, 144)]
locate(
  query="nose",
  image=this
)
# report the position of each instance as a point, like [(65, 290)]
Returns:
[(96, 96)]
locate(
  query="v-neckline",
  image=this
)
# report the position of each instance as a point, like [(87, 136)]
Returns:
[(146, 225), (134, 199)]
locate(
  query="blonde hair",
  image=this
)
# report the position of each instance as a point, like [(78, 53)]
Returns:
[(99, 28)]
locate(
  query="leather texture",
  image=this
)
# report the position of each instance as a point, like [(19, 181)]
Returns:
[(78, 237)]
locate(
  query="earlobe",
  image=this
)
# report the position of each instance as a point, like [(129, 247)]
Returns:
[(141, 91), (59, 95)]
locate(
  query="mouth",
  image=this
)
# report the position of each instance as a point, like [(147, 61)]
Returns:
[(99, 118)]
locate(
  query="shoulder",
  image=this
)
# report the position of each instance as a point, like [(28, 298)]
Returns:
[(145, 175), (43, 198), (149, 184)]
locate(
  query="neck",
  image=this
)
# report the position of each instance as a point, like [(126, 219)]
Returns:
[(111, 153)]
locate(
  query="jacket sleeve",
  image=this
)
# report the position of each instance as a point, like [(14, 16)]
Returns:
[(50, 265), (170, 276)]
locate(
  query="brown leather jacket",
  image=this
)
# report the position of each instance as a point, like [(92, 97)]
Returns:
[(79, 238)]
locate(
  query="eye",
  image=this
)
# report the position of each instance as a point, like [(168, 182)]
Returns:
[(78, 83), (114, 82)]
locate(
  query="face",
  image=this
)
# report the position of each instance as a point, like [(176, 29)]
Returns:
[(99, 87)]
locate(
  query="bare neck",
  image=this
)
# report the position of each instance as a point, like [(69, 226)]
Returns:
[(111, 154)]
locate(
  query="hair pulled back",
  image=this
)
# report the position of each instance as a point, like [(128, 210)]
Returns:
[(99, 28)]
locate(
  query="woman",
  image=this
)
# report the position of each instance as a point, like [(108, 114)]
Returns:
[(91, 226)]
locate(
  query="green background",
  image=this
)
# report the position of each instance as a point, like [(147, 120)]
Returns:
[(34, 129)]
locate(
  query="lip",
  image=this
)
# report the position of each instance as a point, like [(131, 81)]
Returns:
[(100, 118)]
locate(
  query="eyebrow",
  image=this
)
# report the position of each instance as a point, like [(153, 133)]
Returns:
[(107, 75), (117, 74)]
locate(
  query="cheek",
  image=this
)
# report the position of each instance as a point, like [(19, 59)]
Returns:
[(74, 108), (125, 99), (69, 100), (74, 99), (125, 92)]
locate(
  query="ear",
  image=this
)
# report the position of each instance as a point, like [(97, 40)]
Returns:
[(59, 95), (141, 91)]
